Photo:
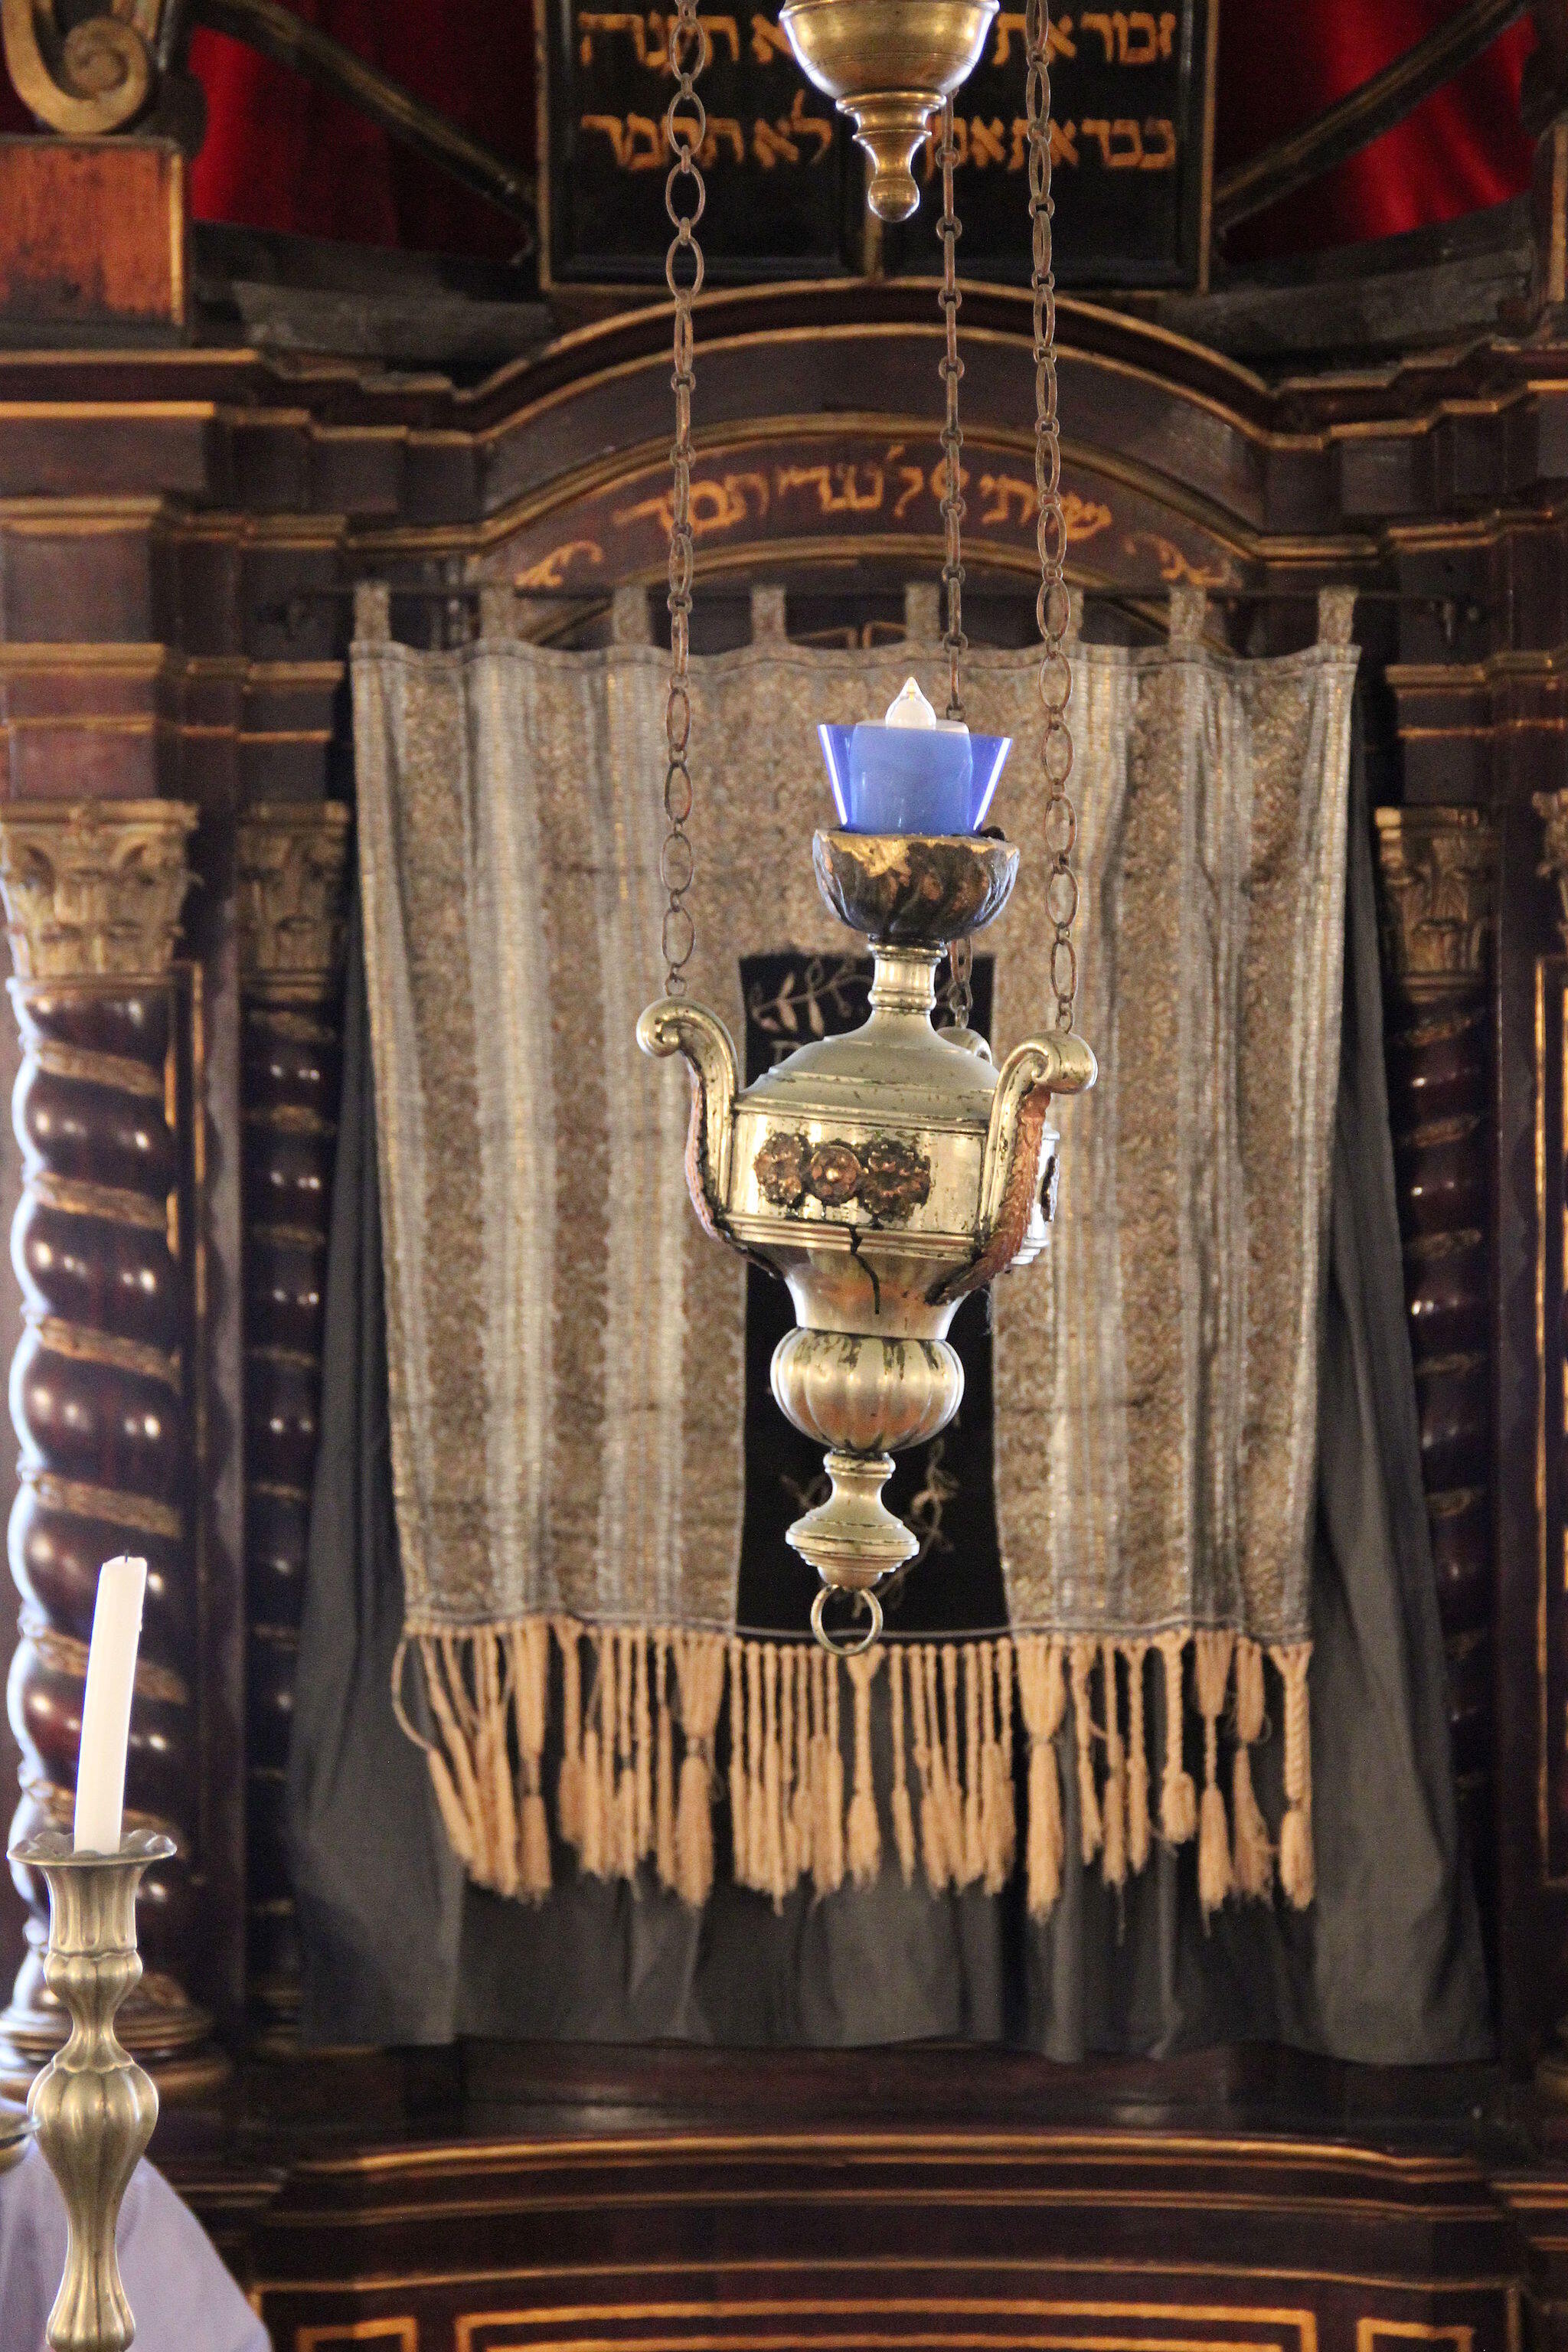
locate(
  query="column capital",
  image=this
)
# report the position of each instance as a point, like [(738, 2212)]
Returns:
[(1438, 869), (289, 895), (93, 886)]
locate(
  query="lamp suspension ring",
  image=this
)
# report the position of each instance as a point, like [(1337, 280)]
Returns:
[(847, 1645)]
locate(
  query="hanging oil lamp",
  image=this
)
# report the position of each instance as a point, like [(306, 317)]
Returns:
[(888, 1173)]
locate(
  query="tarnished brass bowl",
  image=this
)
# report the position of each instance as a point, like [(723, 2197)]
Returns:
[(890, 64), (914, 889)]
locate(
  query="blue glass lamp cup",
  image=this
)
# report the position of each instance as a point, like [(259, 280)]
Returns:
[(911, 779)]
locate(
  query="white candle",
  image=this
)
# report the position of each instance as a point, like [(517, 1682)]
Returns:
[(106, 1708)]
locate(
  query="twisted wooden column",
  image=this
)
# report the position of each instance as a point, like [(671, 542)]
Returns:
[(99, 1384), (290, 920), (1438, 868)]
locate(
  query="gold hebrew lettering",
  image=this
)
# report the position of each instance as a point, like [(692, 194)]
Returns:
[(1140, 38), (1126, 151), (1159, 144), (1167, 33), (593, 21), (1064, 143), (998, 492), (987, 143), (1099, 131), (721, 128), (850, 497), (802, 125), (768, 41), (912, 476), (770, 145)]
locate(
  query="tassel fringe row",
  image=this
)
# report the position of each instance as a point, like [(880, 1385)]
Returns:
[(635, 1724)]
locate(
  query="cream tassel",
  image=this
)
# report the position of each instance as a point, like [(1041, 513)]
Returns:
[(1297, 1873), (789, 1827), (756, 1804), (699, 1676), (903, 1813), (1137, 1760), (973, 1794), (821, 1841), (1113, 1860), (1004, 1716), (449, 1805), (772, 1851), (1043, 1697), (952, 1775), (493, 1763), (627, 1645), (865, 1829), (642, 1749), (592, 1848), (835, 1804), (569, 1786), (609, 1721), (1178, 1797), (1212, 1653), (928, 1766), (739, 1810), (993, 1838), (1081, 1665), (804, 1800), (664, 1768), (1254, 1857), (461, 1784), (530, 1678)]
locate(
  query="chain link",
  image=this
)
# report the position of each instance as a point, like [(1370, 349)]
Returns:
[(950, 229), (1053, 608), (685, 196), (959, 994)]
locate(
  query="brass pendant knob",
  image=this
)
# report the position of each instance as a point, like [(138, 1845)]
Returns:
[(888, 64)]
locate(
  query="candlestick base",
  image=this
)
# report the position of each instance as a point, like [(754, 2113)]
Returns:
[(94, 2108)]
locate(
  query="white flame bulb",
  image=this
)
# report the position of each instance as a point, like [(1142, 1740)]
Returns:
[(908, 707)]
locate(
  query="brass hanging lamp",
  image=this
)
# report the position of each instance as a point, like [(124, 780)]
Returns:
[(888, 1173)]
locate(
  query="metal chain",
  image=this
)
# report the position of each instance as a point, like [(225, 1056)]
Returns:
[(685, 196), (1053, 607), (949, 228)]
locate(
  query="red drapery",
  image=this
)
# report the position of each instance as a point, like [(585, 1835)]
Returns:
[(279, 154)]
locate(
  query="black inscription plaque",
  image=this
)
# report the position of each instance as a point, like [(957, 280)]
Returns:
[(782, 195), (1129, 152), (1131, 101)]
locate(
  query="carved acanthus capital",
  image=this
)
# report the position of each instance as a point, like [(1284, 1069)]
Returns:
[(290, 901), (1439, 868), (1552, 808), (93, 886)]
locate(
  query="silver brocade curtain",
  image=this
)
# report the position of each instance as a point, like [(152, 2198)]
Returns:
[(567, 1349)]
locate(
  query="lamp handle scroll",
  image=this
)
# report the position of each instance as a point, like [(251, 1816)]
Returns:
[(1010, 1171), (673, 1026)]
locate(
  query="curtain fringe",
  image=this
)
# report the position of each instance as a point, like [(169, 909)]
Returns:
[(642, 1721)]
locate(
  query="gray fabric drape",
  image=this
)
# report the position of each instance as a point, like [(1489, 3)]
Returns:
[(1385, 1969)]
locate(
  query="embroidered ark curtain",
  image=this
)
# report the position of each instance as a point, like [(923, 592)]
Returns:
[(570, 1390)]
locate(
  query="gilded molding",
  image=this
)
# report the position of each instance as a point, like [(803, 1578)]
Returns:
[(94, 887), (1552, 808), (1438, 868), (290, 892)]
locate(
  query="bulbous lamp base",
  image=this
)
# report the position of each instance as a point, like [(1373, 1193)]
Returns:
[(847, 46)]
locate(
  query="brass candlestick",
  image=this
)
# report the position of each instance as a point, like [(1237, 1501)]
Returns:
[(92, 2107)]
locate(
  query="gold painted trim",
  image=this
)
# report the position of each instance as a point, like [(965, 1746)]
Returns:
[(74, 1196), (115, 1070), (1158, 2148), (84, 1346), (76, 1500), (113, 412), (746, 2315), (1369, 2331), (68, 1655), (988, 2266), (402, 2334)]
